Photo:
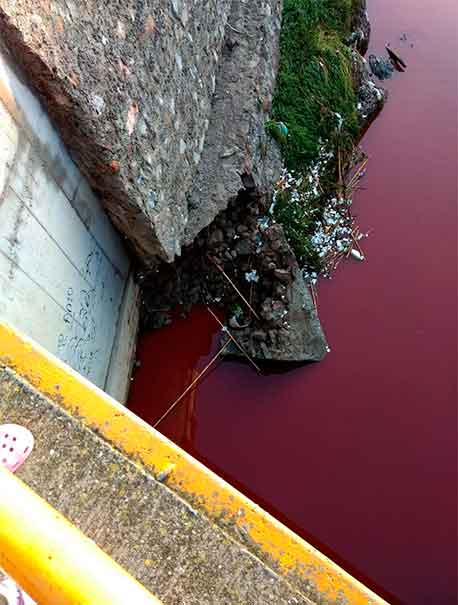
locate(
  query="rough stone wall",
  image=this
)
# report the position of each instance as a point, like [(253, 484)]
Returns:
[(360, 26), (236, 142), (130, 84)]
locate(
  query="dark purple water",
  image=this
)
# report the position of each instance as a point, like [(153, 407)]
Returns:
[(358, 454)]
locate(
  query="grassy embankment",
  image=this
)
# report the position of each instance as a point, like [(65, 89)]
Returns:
[(315, 99)]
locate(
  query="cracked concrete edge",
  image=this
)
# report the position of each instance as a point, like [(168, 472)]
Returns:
[(263, 535), (236, 141)]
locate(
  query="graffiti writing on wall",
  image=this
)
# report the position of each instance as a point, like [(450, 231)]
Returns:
[(77, 342)]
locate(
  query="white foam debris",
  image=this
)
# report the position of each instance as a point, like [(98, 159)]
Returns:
[(334, 231), (357, 254), (252, 276)]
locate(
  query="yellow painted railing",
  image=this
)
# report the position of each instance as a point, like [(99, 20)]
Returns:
[(52, 560), (280, 547)]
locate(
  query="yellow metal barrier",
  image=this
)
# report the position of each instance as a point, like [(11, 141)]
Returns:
[(52, 560), (287, 552)]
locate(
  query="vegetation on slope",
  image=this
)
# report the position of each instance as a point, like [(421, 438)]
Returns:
[(316, 100)]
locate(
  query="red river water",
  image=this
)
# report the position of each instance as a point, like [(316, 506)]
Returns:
[(357, 454)]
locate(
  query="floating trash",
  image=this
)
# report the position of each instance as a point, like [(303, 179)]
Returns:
[(283, 128), (356, 254), (334, 235)]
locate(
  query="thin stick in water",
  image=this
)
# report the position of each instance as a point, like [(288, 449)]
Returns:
[(357, 174), (177, 401), (238, 345), (234, 286)]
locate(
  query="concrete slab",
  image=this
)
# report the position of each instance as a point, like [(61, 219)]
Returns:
[(173, 550)]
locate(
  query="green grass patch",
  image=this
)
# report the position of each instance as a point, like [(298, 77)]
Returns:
[(315, 78), (315, 99)]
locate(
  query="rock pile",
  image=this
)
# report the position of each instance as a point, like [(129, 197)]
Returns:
[(243, 246), (371, 98)]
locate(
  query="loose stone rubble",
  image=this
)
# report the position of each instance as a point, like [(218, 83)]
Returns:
[(252, 250)]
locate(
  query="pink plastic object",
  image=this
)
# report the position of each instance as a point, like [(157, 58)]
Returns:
[(10, 593), (16, 443)]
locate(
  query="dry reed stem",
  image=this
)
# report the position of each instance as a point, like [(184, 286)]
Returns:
[(357, 174)]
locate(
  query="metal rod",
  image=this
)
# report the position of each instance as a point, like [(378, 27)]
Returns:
[(186, 391)]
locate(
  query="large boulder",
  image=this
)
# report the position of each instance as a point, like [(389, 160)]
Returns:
[(290, 329), (370, 97), (161, 102)]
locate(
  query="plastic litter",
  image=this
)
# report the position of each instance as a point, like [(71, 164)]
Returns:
[(357, 254), (16, 444)]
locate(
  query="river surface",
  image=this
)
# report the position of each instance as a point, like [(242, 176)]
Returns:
[(358, 453)]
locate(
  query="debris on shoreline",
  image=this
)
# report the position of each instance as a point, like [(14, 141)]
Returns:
[(396, 59), (333, 233), (383, 67), (261, 257), (243, 263)]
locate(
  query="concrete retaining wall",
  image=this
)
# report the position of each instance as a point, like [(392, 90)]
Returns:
[(63, 268)]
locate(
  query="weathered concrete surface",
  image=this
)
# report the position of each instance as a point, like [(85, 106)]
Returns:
[(301, 339), (131, 88), (290, 330), (122, 359), (176, 552), (236, 142), (63, 267)]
